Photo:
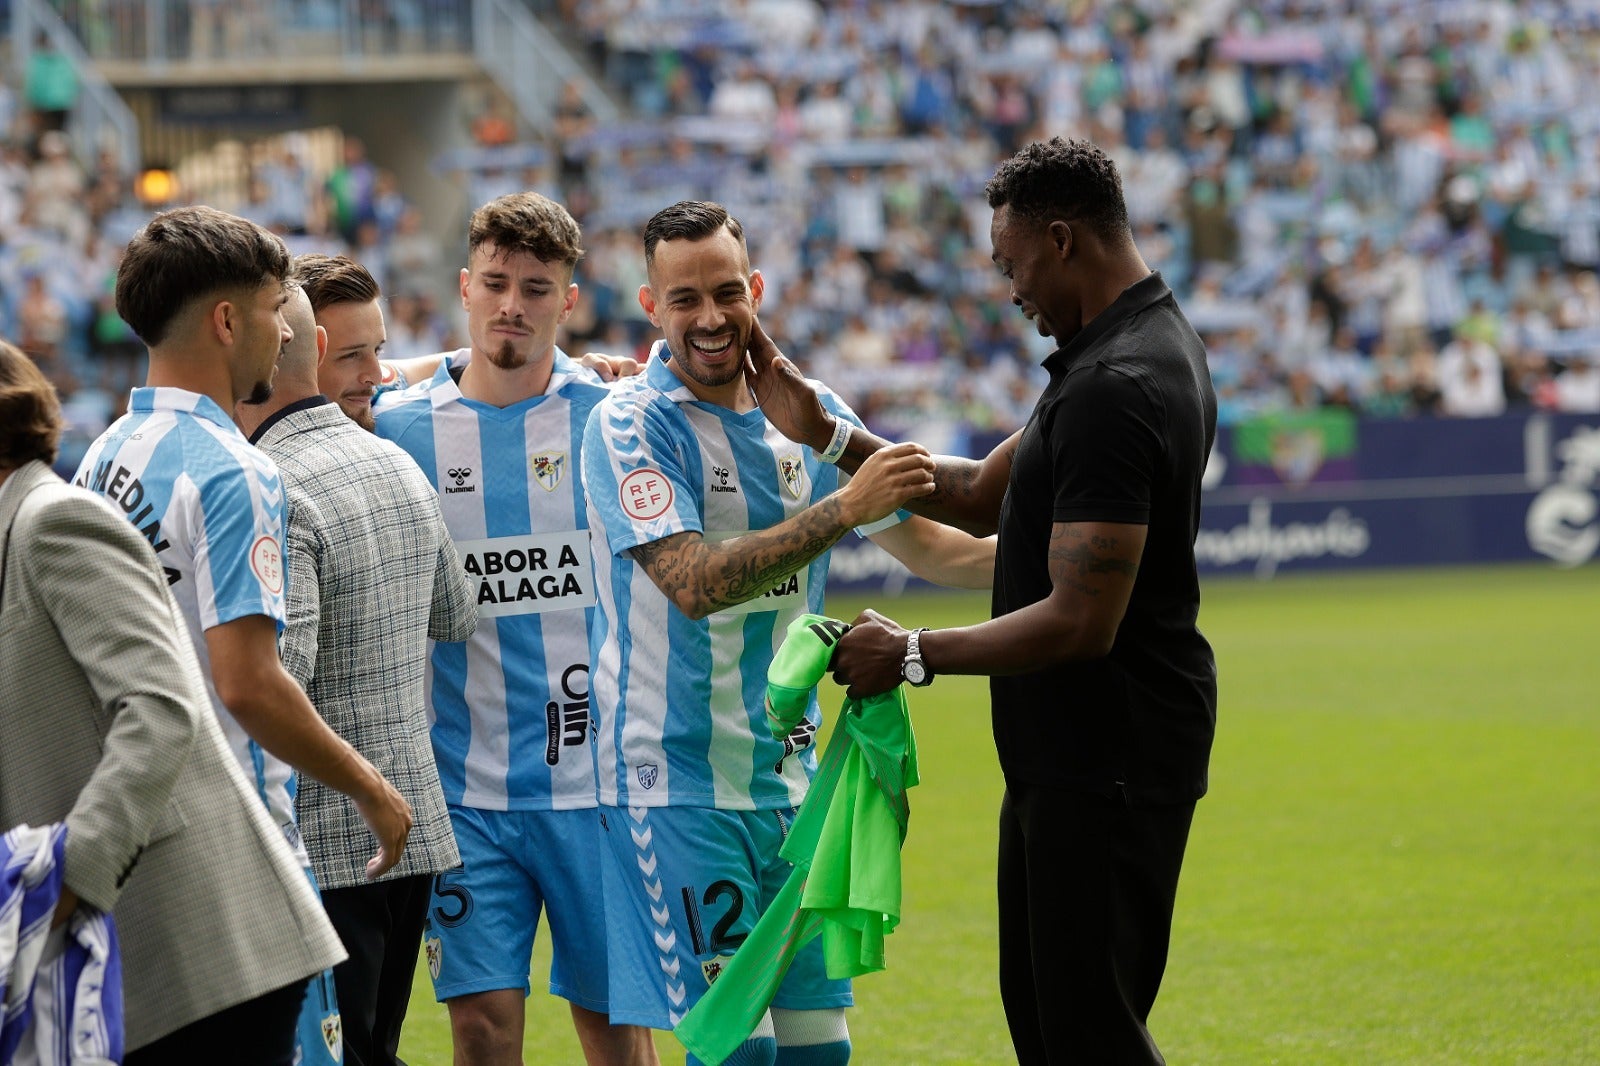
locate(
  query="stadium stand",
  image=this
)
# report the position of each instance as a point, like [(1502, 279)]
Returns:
[(1385, 206)]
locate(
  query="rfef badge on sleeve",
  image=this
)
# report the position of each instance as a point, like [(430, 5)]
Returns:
[(645, 494)]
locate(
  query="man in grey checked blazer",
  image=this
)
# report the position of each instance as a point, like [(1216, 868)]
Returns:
[(372, 576), (105, 724)]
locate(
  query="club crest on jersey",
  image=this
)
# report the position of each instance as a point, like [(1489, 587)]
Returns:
[(648, 772), (714, 966), (792, 472), (434, 948), (333, 1036), (548, 468)]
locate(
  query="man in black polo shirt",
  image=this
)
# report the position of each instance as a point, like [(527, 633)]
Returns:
[(1103, 690)]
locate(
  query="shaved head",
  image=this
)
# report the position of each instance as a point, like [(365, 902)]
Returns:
[(301, 353)]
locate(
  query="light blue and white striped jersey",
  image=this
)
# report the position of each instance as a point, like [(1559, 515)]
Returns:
[(212, 507), (510, 707), (678, 702)]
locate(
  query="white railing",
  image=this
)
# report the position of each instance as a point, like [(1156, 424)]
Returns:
[(530, 65), (99, 119)]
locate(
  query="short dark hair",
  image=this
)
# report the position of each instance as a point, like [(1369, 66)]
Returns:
[(688, 220), (527, 222), (188, 253), (1063, 179), (30, 412), (334, 279)]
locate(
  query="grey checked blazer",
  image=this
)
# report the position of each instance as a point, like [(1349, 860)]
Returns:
[(372, 575), (105, 723)]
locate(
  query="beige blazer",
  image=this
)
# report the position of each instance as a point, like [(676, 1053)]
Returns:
[(104, 722)]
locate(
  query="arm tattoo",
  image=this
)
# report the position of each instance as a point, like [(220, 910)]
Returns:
[(1074, 560), (701, 578), (953, 481)]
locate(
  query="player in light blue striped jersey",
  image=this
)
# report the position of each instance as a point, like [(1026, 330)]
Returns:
[(711, 534), (498, 430), (205, 291)]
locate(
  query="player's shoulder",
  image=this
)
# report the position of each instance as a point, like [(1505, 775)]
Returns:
[(399, 410), (634, 397), (576, 383), (215, 456)]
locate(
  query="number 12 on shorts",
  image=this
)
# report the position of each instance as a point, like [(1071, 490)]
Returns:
[(721, 941)]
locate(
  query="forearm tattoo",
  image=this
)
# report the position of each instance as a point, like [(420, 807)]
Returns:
[(954, 481), (702, 578)]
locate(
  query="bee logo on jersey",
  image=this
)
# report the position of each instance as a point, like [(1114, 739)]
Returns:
[(333, 1036), (792, 472), (548, 469), (714, 966), (434, 948)]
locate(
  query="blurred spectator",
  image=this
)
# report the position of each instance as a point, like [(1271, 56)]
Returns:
[(351, 187), (1577, 387), (1470, 379), (42, 323), (51, 85)]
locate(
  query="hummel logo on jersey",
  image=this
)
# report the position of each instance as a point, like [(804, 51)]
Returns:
[(460, 474), (722, 485)]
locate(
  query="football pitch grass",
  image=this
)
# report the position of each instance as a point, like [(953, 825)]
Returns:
[(1398, 861)]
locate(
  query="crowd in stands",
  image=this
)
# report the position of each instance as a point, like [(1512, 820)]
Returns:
[(1391, 206)]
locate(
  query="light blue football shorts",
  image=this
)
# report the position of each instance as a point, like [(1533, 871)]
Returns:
[(482, 917), (684, 887)]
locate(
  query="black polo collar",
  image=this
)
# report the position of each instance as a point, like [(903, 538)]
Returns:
[(283, 412), (1135, 298)]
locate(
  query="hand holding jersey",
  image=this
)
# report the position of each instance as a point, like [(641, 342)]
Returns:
[(844, 846)]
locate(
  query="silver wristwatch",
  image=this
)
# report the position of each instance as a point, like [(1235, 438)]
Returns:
[(913, 669)]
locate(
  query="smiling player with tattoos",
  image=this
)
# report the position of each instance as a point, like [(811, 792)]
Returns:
[(711, 533), (1103, 689)]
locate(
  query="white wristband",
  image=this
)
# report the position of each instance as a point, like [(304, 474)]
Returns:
[(841, 437)]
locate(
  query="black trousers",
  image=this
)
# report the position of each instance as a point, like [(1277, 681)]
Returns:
[(257, 1032), (1087, 886), (381, 926)]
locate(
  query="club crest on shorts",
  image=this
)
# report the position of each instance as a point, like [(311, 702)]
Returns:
[(434, 948), (333, 1036), (647, 774), (714, 966), (792, 472), (548, 469)]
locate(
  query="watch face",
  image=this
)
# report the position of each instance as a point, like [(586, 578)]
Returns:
[(915, 672)]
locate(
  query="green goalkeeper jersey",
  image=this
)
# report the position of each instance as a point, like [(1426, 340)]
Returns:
[(845, 846)]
